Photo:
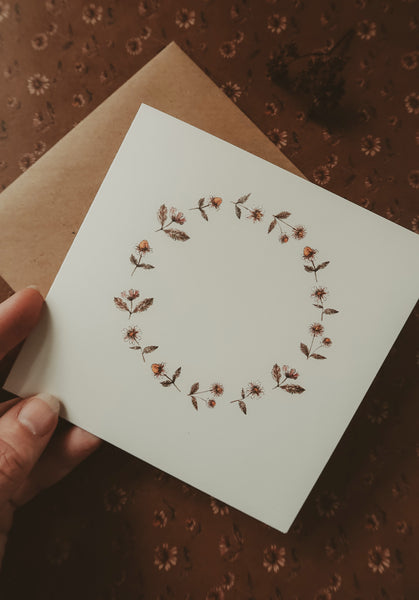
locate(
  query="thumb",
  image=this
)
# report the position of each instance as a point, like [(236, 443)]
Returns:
[(25, 430)]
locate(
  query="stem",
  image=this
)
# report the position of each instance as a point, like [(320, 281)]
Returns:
[(314, 266), (137, 264), (284, 222), (163, 227), (280, 383), (199, 207), (311, 345)]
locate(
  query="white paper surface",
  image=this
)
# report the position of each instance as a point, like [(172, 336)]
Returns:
[(229, 303)]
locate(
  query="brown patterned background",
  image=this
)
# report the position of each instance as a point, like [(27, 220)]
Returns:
[(335, 85)]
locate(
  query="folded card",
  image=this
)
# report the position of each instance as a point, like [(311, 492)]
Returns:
[(219, 317)]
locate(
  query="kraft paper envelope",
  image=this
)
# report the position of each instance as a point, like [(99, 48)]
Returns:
[(47, 204)]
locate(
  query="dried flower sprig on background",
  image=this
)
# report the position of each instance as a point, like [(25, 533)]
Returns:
[(142, 248), (175, 217), (253, 390), (317, 331), (320, 294), (282, 377), (308, 255), (196, 394), (298, 231), (255, 214), (130, 296), (213, 202), (144, 350), (159, 371)]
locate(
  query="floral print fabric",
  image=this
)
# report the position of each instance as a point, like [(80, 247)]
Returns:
[(335, 86)]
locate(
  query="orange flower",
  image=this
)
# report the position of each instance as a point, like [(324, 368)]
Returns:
[(326, 341), (158, 369), (290, 373), (132, 335), (320, 293), (256, 215), (284, 238), (144, 246), (299, 232), (308, 253), (254, 389), (211, 403), (177, 216), (130, 295), (217, 389), (216, 202), (316, 329)]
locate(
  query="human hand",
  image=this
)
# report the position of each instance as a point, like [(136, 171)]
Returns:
[(29, 461)]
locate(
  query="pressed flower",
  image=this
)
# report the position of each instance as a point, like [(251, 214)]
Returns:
[(290, 373), (254, 389), (411, 103), (92, 14), (158, 369), (299, 232), (143, 246), (277, 24), (283, 238), (316, 329), (164, 557), (177, 216), (228, 49), (160, 518), (211, 403), (309, 253), (320, 293), (217, 389), (273, 558), (279, 138), (321, 175), (256, 215), (216, 201), (232, 90), (326, 341), (132, 335), (366, 29), (130, 295), (38, 84), (370, 145), (379, 559), (185, 18), (134, 46)]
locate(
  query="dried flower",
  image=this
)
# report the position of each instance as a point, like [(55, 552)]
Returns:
[(130, 295), (211, 403), (316, 329), (131, 335), (143, 246), (283, 238), (177, 216), (290, 373), (320, 293), (309, 253), (217, 389), (158, 369), (326, 341), (216, 202), (254, 389), (299, 232), (256, 215)]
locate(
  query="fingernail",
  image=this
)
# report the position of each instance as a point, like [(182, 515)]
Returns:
[(34, 287), (39, 414)]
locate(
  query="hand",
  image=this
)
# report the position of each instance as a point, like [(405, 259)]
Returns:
[(28, 462)]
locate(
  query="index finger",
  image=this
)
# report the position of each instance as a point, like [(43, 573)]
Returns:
[(18, 315)]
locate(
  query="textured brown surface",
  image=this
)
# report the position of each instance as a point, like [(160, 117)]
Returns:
[(102, 532)]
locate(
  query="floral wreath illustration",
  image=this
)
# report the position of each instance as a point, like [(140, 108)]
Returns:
[(129, 301)]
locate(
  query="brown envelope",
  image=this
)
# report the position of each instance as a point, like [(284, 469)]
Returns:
[(42, 210)]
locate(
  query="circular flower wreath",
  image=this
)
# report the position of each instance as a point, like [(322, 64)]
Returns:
[(284, 378)]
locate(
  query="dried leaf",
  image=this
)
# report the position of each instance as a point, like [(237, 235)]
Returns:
[(143, 305), (145, 266), (194, 402), (238, 211), (292, 388), (323, 265), (243, 394), (162, 214), (177, 234), (133, 260), (166, 383), (243, 407), (201, 202), (283, 215), (176, 373), (272, 225), (204, 214), (243, 199), (317, 356), (276, 372), (304, 349), (119, 303), (194, 388), (135, 347), (330, 311), (149, 349), (309, 269), (318, 305)]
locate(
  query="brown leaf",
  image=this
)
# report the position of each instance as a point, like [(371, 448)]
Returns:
[(276, 372), (162, 214), (272, 226), (176, 373), (119, 303), (238, 211), (309, 269), (283, 215), (330, 311), (204, 214), (318, 305), (292, 388), (243, 199), (177, 234), (304, 349), (243, 407), (145, 266), (201, 202), (194, 388), (323, 265), (143, 305), (194, 402), (133, 260), (135, 347), (166, 383), (318, 356), (149, 349)]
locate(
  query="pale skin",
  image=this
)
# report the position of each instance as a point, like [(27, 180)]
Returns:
[(31, 458)]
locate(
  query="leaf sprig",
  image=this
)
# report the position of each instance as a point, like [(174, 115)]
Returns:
[(281, 377), (122, 301), (213, 202), (145, 350), (175, 217)]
